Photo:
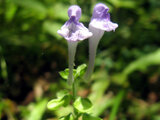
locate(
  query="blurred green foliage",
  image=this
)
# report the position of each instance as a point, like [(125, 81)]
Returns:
[(126, 82)]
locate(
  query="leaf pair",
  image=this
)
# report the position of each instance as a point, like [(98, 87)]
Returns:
[(77, 73)]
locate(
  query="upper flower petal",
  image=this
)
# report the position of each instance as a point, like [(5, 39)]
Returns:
[(101, 18), (74, 10), (99, 10)]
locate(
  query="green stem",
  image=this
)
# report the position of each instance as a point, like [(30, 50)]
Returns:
[(74, 91), (116, 105)]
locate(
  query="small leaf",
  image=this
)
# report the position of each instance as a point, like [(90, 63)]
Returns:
[(62, 93), (80, 70), (67, 100), (62, 100), (82, 104), (68, 117), (64, 74), (89, 117), (55, 104)]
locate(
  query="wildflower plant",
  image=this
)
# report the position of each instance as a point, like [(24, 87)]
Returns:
[(74, 31)]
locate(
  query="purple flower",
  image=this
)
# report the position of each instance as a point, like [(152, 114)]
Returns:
[(100, 22), (101, 18), (73, 31)]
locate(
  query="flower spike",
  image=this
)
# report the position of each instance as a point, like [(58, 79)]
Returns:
[(73, 31), (100, 22)]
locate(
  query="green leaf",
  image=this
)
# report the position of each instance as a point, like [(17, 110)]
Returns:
[(64, 74), (32, 4), (98, 96), (38, 111), (62, 100), (99, 86), (10, 11), (116, 105), (140, 64), (67, 100), (89, 117), (82, 104), (66, 110), (55, 104), (62, 93), (80, 70), (32, 8), (52, 28), (68, 117)]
